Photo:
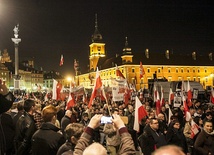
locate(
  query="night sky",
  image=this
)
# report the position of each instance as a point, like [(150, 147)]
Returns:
[(49, 28)]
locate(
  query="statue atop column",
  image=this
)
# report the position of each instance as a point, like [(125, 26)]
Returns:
[(16, 31)]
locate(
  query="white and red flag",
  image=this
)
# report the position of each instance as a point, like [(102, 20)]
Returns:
[(140, 113), (162, 98), (57, 87), (70, 102), (212, 95), (171, 96), (97, 85), (118, 73), (61, 61), (142, 72), (157, 100), (189, 95), (194, 129)]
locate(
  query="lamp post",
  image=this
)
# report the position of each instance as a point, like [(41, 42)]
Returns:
[(16, 41)]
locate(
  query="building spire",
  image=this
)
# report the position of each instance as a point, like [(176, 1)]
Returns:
[(96, 37), (96, 26)]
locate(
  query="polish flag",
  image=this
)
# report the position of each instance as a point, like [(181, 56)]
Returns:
[(118, 73), (186, 109), (140, 113), (70, 102), (189, 95), (97, 85), (162, 99), (170, 115), (157, 100), (61, 61), (57, 87), (142, 72), (171, 96), (194, 129), (212, 95)]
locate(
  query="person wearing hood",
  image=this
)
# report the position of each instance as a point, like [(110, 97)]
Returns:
[(47, 140), (204, 143)]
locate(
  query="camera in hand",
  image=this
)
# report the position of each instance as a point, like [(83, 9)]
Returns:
[(106, 119)]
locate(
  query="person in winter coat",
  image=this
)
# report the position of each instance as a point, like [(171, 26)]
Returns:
[(152, 138), (47, 140), (175, 136), (204, 144)]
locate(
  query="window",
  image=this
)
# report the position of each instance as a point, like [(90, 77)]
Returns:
[(133, 70), (194, 78), (182, 70), (187, 70), (176, 70), (159, 70), (169, 78), (188, 78), (199, 79), (179, 78), (169, 70), (193, 70), (148, 70), (198, 70)]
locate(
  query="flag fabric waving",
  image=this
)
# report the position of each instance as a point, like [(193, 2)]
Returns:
[(212, 95), (70, 102), (97, 85), (118, 73), (140, 113), (189, 95), (61, 61), (194, 129), (162, 98), (142, 72), (157, 100), (57, 87), (171, 96)]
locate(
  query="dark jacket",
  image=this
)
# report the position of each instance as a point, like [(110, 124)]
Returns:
[(47, 140), (150, 140), (7, 133), (176, 137), (204, 143), (64, 122), (25, 128), (66, 147)]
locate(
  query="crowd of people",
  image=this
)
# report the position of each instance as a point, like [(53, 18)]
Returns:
[(34, 126)]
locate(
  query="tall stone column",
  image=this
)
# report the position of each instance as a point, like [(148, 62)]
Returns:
[(16, 41)]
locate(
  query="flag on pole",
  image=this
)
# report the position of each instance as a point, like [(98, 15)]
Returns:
[(162, 99), (57, 87), (170, 115), (171, 96), (157, 100), (61, 61), (118, 73), (142, 72), (189, 95), (97, 85), (140, 113), (212, 95), (54, 94), (70, 102), (194, 129)]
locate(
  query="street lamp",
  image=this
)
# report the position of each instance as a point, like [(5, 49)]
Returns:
[(16, 41)]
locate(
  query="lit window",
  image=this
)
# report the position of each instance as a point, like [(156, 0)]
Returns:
[(133, 70), (169, 70), (159, 70), (176, 70), (182, 70), (148, 70)]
